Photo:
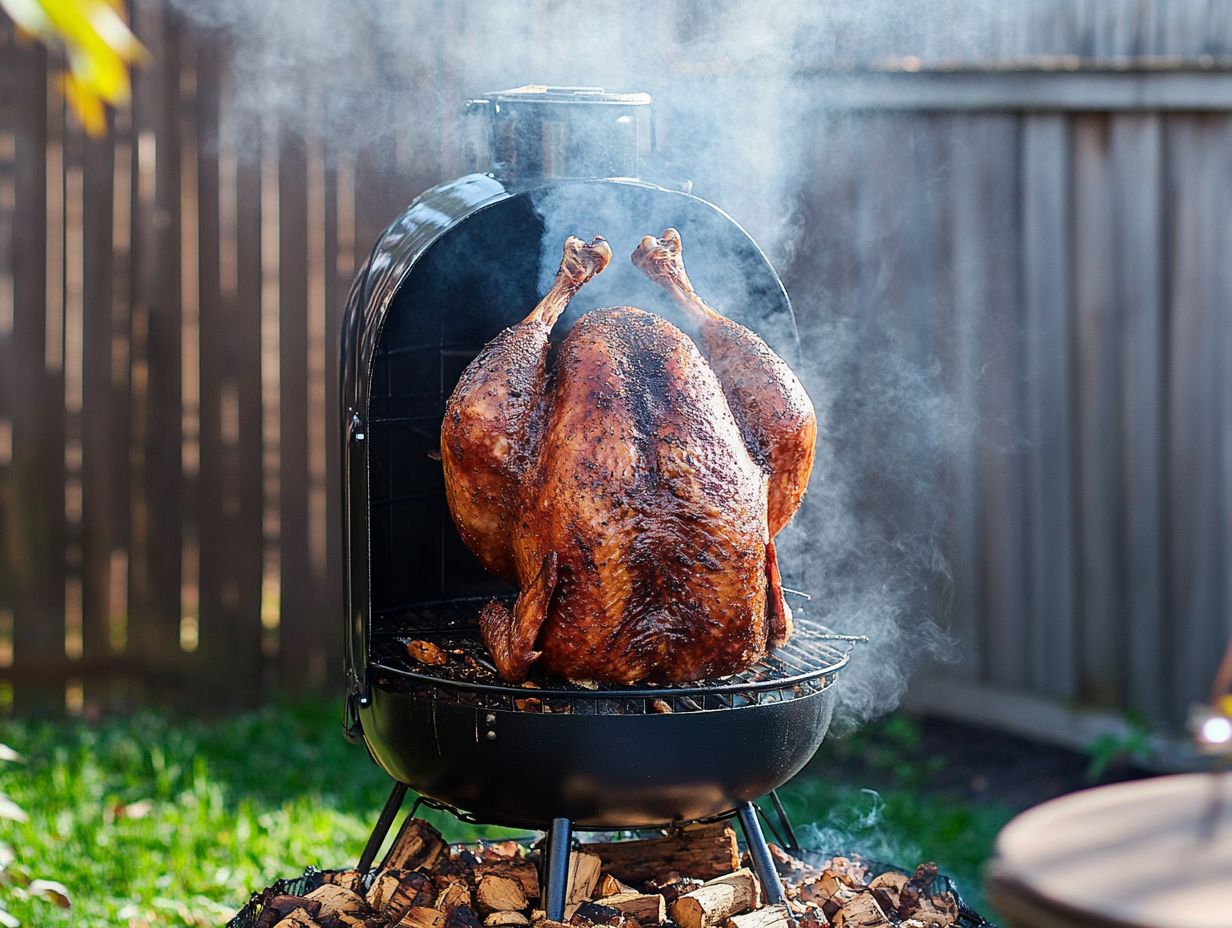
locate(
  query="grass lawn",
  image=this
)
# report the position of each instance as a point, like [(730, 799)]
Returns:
[(153, 821)]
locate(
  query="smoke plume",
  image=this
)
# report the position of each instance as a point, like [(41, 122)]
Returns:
[(739, 121)]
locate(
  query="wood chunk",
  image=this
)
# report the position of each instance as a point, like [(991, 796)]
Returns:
[(520, 869), (509, 849), (674, 887), (506, 920), (462, 916), (829, 891), (456, 893), (584, 870), (418, 846), (702, 851), (395, 891), (770, 916), (425, 652), (419, 916), (297, 918), (888, 888), (861, 912), (610, 886), (338, 900), (591, 913), (716, 901), (283, 904), (348, 879), (646, 908), (499, 894)]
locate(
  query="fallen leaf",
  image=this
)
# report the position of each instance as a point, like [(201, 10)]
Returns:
[(51, 890)]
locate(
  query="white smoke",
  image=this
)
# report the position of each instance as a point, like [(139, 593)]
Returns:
[(739, 121)]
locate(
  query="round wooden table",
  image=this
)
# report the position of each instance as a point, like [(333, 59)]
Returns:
[(1149, 854)]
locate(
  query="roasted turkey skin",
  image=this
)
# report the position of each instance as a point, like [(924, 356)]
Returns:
[(632, 490)]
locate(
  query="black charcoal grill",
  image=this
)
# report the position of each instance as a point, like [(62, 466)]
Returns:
[(464, 260)]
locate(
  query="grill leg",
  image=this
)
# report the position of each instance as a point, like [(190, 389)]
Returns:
[(759, 851), (384, 820), (557, 864), (789, 833)]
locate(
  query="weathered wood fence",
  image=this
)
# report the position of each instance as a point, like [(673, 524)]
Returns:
[(1056, 232)]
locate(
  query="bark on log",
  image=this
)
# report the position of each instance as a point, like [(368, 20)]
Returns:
[(418, 916), (418, 846), (499, 894), (714, 902), (771, 916), (645, 908), (584, 870), (348, 879), (703, 851)]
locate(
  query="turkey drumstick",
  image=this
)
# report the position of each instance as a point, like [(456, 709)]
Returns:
[(484, 436), (775, 414)]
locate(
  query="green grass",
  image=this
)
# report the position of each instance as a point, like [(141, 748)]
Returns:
[(156, 821)]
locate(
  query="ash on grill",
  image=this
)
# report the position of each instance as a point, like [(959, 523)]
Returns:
[(690, 878)]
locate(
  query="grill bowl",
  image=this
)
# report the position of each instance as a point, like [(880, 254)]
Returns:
[(617, 757)]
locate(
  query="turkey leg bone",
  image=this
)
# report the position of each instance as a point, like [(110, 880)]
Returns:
[(487, 444), (770, 404)]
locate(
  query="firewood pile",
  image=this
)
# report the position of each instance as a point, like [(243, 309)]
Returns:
[(690, 878)]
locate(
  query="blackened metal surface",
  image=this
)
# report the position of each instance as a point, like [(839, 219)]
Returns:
[(807, 662), (464, 261), (522, 769)]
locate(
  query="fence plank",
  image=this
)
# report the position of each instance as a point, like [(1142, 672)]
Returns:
[(1137, 234), (1098, 320), (1048, 336), (156, 436), (34, 484)]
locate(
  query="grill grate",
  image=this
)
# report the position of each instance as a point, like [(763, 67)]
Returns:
[(802, 667)]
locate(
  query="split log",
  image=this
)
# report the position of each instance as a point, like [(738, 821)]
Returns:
[(418, 846), (421, 916), (278, 907), (348, 879), (610, 886), (517, 868), (861, 912), (455, 893), (338, 900), (499, 894), (703, 851), (771, 916), (584, 870), (888, 888), (646, 908), (395, 891), (298, 918), (714, 902), (506, 920)]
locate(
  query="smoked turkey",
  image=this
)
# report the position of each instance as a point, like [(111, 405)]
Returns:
[(632, 491)]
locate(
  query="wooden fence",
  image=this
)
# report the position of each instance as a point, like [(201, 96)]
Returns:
[(1056, 233)]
